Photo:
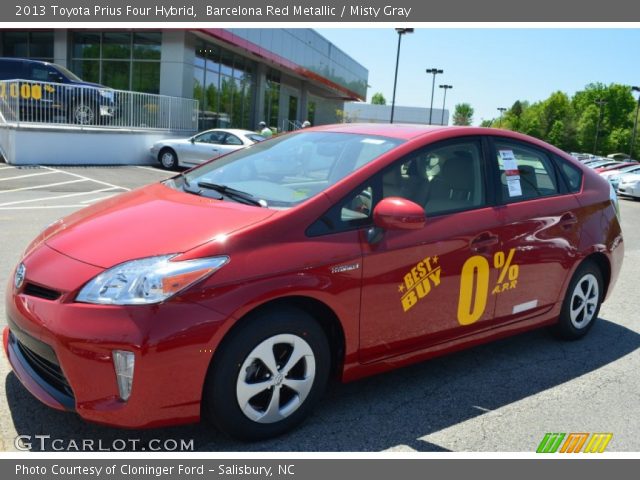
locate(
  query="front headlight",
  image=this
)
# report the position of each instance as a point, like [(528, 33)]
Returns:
[(148, 280)]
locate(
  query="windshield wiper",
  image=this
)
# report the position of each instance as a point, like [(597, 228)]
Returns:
[(239, 195), (187, 187)]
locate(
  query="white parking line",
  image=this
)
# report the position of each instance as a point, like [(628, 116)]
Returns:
[(153, 169), (88, 178), (42, 207), (42, 186), (29, 175), (7, 168), (85, 202), (45, 199)]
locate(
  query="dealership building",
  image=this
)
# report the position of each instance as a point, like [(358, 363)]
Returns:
[(239, 76)]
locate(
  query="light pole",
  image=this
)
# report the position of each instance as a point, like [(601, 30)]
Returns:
[(446, 87), (600, 103), (635, 124), (401, 31), (502, 110), (434, 71)]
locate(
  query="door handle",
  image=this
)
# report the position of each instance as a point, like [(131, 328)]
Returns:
[(568, 220), (483, 241)]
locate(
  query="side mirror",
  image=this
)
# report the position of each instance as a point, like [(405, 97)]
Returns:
[(395, 213), (192, 139)]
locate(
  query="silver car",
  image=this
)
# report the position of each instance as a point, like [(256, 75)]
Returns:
[(203, 146)]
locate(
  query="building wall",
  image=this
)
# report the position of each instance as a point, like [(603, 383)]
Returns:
[(307, 67), (368, 113)]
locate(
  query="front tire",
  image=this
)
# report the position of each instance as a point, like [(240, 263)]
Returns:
[(581, 303), (267, 375), (168, 159)]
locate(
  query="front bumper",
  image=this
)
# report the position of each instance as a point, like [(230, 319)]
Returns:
[(172, 344), (625, 189)]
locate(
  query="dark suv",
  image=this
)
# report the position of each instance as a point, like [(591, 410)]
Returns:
[(45, 92)]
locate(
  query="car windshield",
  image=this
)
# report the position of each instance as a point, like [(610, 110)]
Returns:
[(254, 137), (69, 74), (290, 169)]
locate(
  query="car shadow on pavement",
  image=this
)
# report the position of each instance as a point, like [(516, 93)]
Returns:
[(373, 414)]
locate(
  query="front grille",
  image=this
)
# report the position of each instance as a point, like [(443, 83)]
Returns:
[(50, 372), (41, 292)]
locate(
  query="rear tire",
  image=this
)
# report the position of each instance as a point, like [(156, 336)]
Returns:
[(267, 375), (582, 302)]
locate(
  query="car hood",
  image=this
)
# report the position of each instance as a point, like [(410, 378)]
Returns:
[(629, 177), (153, 220)]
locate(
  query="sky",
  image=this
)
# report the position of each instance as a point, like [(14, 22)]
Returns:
[(491, 67)]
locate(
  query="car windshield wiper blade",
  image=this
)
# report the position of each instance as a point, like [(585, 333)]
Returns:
[(244, 197), (187, 187)]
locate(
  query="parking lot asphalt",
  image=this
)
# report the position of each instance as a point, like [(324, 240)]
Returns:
[(501, 397)]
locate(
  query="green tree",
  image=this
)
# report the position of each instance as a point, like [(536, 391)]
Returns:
[(587, 128), (378, 99), (463, 114), (557, 135)]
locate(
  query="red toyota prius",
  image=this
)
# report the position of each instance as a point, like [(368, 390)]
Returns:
[(235, 290)]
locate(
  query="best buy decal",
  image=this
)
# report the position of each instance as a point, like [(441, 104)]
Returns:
[(419, 281)]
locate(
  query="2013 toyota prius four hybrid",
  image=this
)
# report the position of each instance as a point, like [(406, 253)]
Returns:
[(235, 290)]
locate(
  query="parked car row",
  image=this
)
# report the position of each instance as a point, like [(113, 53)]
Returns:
[(621, 171)]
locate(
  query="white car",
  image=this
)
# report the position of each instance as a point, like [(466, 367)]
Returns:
[(614, 176), (203, 146), (630, 185)]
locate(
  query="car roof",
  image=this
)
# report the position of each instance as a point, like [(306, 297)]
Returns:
[(26, 60), (403, 131), (236, 131)]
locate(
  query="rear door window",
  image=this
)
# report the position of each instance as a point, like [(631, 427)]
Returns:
[(525, 172)]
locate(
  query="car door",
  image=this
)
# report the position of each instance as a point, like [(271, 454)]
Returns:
[(206, 146), (538, 229), (426, 286)]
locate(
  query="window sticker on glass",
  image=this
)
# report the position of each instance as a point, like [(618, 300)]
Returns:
[(514, 187), (373, 141), (511, 172), (509, 162)]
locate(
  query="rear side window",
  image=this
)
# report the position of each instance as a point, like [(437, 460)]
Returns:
[(525, 172), (572, 174), (232, 140), (10, 69)]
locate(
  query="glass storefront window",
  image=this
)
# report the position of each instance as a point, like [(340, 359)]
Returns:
[(212, 92), (198, 85), (147, 45), (121, 60), (41, 45), (88, 70), (223, 82), (226, 63), (15, 44), (86, 45), (145, 77), (116, 45), (36, 44), (115, 74)]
